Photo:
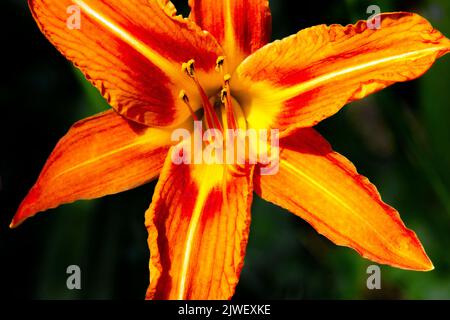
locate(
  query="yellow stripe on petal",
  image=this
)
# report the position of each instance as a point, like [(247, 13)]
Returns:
[(289, 93), (198, 229), (168, 67), (205, 179)]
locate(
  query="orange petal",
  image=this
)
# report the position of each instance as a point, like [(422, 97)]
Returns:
[(305, 78), (101, 155), (240, 26), (326, 190), (198, 226), (132, 51)]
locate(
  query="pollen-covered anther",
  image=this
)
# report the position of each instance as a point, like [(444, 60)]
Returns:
[(226, 79), (224, 95), (184, 97), (219, 63), (189, 68)]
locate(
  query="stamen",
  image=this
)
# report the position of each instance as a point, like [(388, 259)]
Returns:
[(189, 68), (227, 79), (211, 118), (184, 97), (219, 63), (225, 96)]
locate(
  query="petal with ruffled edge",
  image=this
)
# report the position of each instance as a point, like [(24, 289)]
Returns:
[(305, 78), (132, 51)]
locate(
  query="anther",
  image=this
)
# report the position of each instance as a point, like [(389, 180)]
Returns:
[(224, 95), (226, 100), (227, 79), (184, 97), (189, 68), (219, 63)]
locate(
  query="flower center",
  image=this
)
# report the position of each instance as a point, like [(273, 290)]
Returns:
[(223, 124), (220, 111)]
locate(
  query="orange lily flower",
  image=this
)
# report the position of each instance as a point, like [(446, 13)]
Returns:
[(198, 221)]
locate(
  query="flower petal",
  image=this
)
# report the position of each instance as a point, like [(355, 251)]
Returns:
[(132, 51), (101, 155), (326, 190), (305, 78), (240, 26), (198, 226)]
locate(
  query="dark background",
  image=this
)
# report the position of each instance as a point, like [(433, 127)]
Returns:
[(399, 138)]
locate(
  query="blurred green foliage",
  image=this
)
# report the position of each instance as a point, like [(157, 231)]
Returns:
[(399, 138)]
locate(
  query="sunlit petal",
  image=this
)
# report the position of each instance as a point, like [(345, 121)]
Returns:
[(132, 51), (325, 189), (240, 26), (101, 155), (305, 78), (198, 226)]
